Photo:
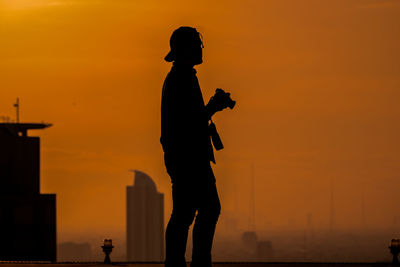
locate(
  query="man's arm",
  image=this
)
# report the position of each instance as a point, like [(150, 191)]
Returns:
[(210, 110)]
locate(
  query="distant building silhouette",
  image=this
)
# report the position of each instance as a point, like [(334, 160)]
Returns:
[(145, 220), (27, 218), (249, 241), (70, 251), (264, 250)]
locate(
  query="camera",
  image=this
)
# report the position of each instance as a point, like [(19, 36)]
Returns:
[(219, 101), (223, 98)]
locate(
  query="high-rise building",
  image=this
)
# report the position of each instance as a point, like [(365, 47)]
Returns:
[(144, 220), (27, 218)]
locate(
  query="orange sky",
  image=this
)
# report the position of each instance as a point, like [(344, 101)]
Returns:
[(317, 85)]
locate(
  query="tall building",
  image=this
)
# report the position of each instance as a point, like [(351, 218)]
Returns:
[(144, 220), (27, 218)]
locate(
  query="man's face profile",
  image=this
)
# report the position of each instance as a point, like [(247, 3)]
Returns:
[(191, 52), (198, 53)]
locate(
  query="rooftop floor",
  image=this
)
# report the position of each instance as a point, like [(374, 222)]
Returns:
[(217, 264)]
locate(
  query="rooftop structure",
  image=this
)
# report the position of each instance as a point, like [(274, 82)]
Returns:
[(27, 218), (21, 129)]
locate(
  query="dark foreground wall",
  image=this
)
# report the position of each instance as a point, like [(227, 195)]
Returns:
[(28, 228)]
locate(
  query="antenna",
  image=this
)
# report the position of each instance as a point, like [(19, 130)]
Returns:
[(252, 219), (310, 226), (363, 219), (16, 105), (332, 211)]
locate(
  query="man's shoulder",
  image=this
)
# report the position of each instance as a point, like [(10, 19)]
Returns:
[(178, 79)]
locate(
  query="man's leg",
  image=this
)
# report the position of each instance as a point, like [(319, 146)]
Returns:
[(204, 227), (176, 234)]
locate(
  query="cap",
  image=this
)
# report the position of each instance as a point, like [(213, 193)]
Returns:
[(182, 37)]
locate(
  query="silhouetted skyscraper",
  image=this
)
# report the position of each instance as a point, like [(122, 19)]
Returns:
[(144, 220), (27, 218)]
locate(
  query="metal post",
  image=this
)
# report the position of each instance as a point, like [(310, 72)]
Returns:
[(16, 105)]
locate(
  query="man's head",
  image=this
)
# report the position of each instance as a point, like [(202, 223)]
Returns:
[(186, 46)]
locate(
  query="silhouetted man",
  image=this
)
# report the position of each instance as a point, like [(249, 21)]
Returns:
[(185, 139)]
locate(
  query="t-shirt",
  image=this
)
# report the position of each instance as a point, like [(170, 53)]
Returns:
[(184, 121)]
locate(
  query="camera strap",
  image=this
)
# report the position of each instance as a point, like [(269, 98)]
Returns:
[(216, 140)]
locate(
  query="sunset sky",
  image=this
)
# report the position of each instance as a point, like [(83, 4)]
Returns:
[(317, 85)]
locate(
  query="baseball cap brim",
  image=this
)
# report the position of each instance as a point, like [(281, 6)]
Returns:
[(170, 56)]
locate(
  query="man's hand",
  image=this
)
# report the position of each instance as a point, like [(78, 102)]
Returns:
[(221, 100)]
